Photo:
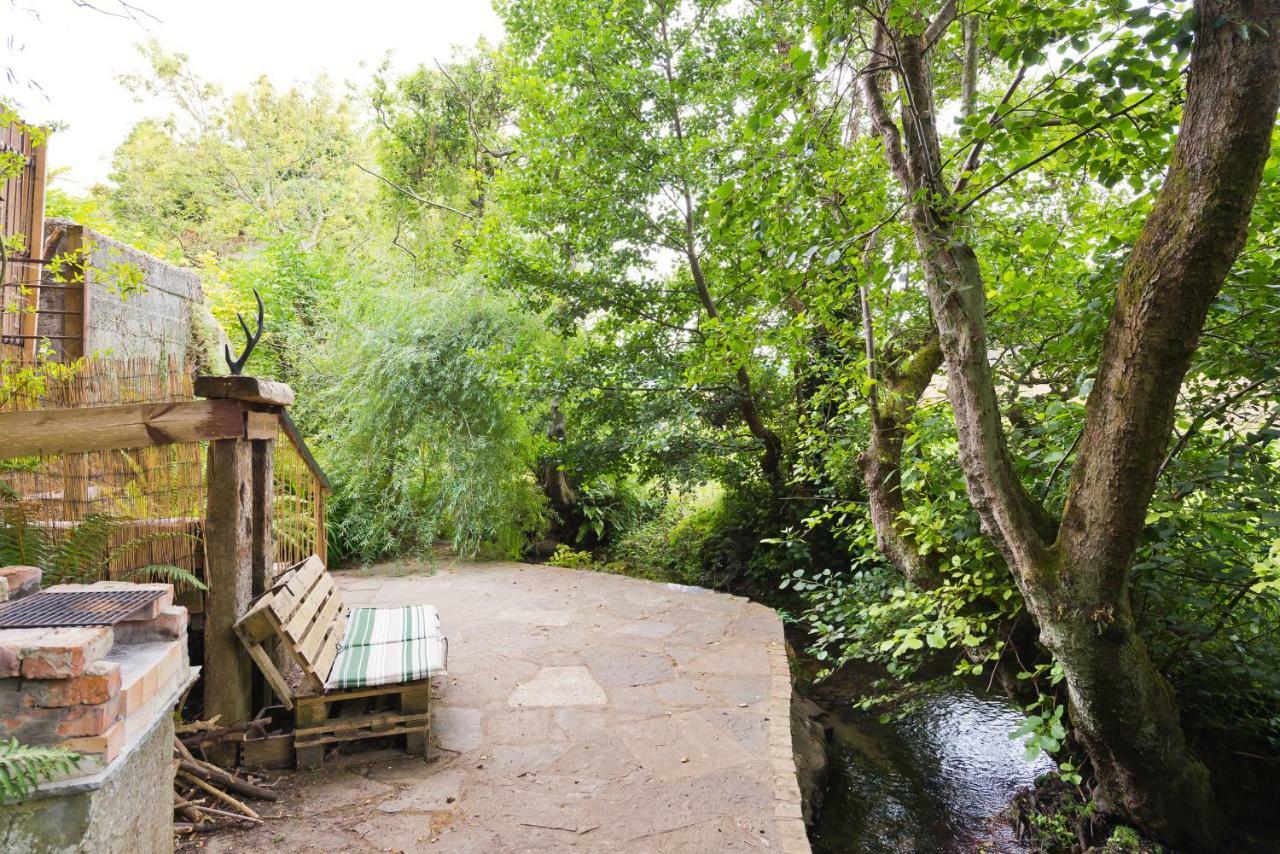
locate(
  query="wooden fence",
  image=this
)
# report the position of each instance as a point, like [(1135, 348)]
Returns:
[(238, 424), (21, 222), (298, 499), (122, 444)]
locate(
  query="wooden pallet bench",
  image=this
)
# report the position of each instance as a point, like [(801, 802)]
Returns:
[(366, 672)]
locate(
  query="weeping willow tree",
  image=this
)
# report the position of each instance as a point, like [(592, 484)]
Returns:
[(425, 425)]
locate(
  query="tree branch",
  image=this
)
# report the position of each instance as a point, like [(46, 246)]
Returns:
[(411, 194), (938, 26)]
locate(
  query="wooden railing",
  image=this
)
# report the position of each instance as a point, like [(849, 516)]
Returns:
[(299, 499)]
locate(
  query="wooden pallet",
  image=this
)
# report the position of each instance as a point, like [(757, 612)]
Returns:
[(305, 613)]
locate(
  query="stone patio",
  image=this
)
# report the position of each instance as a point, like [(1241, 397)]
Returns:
[(583, 711)]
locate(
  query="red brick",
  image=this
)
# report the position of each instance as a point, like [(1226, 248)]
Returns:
[(135, 696), (99, 682), (48, 726), (104, 747), (89, 720), (31, 726), (11, 697), (22, 580), (64, 653), (169, 624), (12, 642)]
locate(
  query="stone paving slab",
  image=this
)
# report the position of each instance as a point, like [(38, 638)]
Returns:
[(583, 712)]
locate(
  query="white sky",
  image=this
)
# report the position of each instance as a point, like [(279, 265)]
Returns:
[(76, 55)]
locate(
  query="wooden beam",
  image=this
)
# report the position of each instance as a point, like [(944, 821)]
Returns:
[(261, 425), (104, 428), (248, 389)]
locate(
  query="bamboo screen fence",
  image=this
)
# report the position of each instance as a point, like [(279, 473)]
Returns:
[(105, 513), (297, 498), (112, 512)]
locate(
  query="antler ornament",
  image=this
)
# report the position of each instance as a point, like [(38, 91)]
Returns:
[(251, 338)]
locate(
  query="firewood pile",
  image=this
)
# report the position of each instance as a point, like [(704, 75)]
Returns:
[(207, 797)]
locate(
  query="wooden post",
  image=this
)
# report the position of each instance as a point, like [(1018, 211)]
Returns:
[(264, 544), (228, 543), (239, 537), (264, 540), (34, 175)]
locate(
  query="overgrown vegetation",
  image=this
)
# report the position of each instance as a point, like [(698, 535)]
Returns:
[(679, 289)]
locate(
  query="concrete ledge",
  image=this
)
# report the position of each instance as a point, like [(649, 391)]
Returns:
[(788, 808)]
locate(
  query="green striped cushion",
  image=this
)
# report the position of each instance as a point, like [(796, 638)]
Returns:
[(388, 663), (367, 626)]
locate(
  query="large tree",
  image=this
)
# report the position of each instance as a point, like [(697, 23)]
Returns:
[(627, 125), (1074, 573)]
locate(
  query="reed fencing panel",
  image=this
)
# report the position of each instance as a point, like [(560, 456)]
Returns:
[(108, 512), (112, 512), (297, 502)]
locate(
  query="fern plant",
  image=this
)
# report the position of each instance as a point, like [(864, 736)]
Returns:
[(82, 554), (24, 766)]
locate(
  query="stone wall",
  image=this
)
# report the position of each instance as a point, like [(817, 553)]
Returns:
[(156, 320), (130, 812)]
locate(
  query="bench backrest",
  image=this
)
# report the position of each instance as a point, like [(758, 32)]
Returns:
[(305, 611)]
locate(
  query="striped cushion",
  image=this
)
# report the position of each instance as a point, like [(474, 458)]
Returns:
[(367, 626), (388, 663)]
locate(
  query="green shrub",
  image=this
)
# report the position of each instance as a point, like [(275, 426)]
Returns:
[(571, 558)]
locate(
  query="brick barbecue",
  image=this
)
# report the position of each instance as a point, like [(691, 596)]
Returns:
[(92, 688)]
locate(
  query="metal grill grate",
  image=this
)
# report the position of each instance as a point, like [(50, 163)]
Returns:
[(75, 608)]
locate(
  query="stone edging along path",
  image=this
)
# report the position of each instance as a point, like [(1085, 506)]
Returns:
[(787, 809), (583, 712)]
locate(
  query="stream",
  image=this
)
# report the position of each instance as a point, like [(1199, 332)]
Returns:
[(936, 780)]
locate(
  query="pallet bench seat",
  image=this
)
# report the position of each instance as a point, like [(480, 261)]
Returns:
[(366, 671)]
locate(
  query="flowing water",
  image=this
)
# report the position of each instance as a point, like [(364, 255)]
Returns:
[(937, 780)]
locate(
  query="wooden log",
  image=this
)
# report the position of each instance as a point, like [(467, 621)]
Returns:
[(244, 808), (228, 534), (216, 776), (221, 776), (248, 389), (222, 732), (104, 428)]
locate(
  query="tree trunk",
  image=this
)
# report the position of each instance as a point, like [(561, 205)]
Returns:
[(1123, 710), (893, 400), (1075, 579)]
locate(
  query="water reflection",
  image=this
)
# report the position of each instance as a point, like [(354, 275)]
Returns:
[(937, 780)]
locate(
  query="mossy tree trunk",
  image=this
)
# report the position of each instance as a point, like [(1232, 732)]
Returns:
[(1074, 575)]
